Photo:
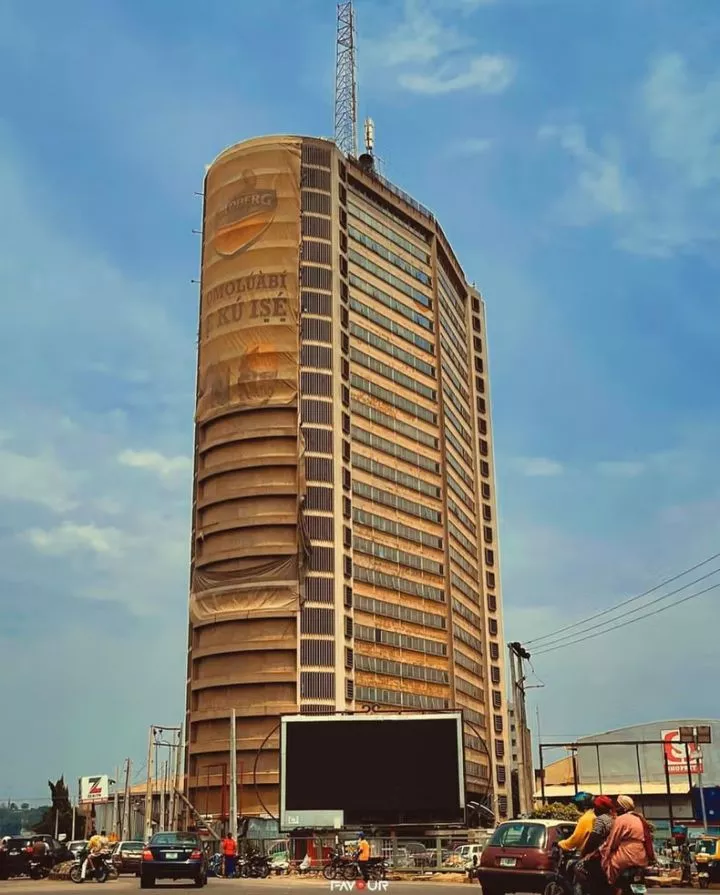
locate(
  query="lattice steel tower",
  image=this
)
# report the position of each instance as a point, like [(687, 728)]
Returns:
[(345, 80)]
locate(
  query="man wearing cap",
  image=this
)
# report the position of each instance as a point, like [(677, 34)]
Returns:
[(363, 856)]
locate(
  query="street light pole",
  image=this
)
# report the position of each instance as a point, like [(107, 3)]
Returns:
[(149, 785)]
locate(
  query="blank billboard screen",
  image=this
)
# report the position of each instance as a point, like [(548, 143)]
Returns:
[(394, 770)]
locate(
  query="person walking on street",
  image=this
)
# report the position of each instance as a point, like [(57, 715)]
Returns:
[(229, 850), (363, 856)]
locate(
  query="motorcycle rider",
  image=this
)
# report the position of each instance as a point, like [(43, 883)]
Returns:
[(589, 875), (583, 801), (96, 846)]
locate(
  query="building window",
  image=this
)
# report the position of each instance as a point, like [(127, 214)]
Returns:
[(498, 723), (318, 469), (488, 534), (494, 651), (322, 559), (347, 507), (349, 689), (348, 626), (347, 566), (317, 412), (499, 748), (490, 557), (317, 652), (495, 674), (492, 603), (501, 774), (314, 330), (348, 597), (493, 627), (349, 658), (319, 590), (497, 699), (347, 479), (319, 499), (485, 490)]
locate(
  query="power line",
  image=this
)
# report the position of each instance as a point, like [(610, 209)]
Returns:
[(604, 612), (630, 611), (632, 620)]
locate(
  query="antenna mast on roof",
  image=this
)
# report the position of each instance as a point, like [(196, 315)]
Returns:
[(345, 80)]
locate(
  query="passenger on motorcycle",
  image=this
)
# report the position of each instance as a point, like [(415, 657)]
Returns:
[(629, 843), (589, 876), (583, 801)]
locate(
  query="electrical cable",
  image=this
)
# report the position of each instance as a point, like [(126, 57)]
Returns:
[(646, 593), (629, 612), (631, 621)]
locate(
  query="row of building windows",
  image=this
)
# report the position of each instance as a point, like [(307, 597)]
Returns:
[(451, 354), (403, 641), (469, 689), (390, 527), (395, 697), (393, 424), (389, 256), (392, 303), (472, 716), (450, 333), (394, 475), (389, 278), (468, 639), (394, 237), (397, 329), (468, 664), (401, 613), (459, 447), (373, 665), (461, 408), (392, 350), (451, 375), (467, 614), (400, 557), (451, 298), (383, 369), (467, 567), (394, 400), (389, 211), (461, 538), (450, 415), (396, 583), (460, 470), (394, 449), (461, 516), (464, 588), (377, 495), (461, 493)]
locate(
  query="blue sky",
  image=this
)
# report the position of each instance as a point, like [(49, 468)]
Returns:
[(571, 150)]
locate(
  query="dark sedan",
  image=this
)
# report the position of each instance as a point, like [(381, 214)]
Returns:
[(173, 856)]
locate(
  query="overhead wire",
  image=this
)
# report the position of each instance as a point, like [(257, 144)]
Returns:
[(629, 612), (604, 612), (631, 621)]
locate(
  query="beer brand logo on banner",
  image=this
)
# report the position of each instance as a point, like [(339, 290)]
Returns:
[(244, 218), (677, 752)]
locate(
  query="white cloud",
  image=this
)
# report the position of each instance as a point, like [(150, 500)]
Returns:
[(38, 479), (69, 538), (156, 462), (660, 188), (471, 146), (538, 467), (434, 58), (624, 469), (488, 74)]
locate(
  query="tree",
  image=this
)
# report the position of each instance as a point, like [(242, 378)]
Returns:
[(60, 809), (556, 811), (25, 806)]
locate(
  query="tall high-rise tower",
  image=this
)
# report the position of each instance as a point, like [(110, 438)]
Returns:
[(345, 544)]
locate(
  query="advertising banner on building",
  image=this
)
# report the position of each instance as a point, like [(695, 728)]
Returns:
[(677, 752), (94, 790), (249, 339)]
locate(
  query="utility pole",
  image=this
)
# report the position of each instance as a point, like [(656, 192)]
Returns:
[(116, 805), (149, 785), (177, 782), (125, 828), (233, 776), (518, 654)]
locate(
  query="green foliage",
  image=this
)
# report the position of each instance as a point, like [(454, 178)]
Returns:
[(556, 811), (14, 820), (60, 806)]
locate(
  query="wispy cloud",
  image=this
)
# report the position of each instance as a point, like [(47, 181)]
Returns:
[(538, 467), (660, 185), (69, 538), (623, 469), (37, 478), (155, 462), (471, 146), (434, 58)]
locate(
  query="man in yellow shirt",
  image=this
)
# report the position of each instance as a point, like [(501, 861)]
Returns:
[(363, 856), (583, 801)]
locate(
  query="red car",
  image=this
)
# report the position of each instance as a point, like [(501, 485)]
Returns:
[(518, 857)]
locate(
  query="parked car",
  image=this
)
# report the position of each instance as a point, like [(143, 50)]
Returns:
[(14, 858), (127, 856), (518, 857), (77, 846), (174, 856)]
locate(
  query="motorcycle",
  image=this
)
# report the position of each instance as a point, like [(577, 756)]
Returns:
[(335, 868), (255, 866), (562, 880), (100, 869), (38, 869), (632, 881)]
